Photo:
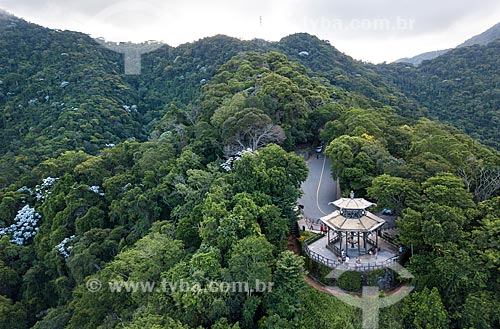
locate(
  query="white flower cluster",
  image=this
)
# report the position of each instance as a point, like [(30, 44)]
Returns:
[(126, 187), (95, 189), (42, 190), (24, 227), (62, 247), (229, 162), (49, 182), (25, 189), (129, 109)]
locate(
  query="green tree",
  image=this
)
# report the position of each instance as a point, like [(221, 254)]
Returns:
[(271, 171), (424, 310), (394, 192), (12, 314), (480, 311), (275, 226), (447, 189), (325, 311), (285, 298), (251, 260)]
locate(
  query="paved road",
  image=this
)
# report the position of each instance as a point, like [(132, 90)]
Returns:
[(319, 188)]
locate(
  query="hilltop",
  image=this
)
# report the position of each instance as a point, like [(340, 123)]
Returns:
[(188, 175), (490, 35)]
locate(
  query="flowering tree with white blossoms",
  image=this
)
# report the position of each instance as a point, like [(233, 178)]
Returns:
[(63, 248), (96, 190), (43, 190), (227, 165), (25, 226)]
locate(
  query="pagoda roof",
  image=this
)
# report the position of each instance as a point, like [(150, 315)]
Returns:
[(352, 203), (368, 222)]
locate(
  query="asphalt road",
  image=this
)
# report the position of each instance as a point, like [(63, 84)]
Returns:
[(319, 188)]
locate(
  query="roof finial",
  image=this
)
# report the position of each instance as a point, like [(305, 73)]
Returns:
[(351, 194)]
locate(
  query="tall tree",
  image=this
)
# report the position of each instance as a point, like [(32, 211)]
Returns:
[(424, 310)]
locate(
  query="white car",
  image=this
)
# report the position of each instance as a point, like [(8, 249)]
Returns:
[(387, 211)]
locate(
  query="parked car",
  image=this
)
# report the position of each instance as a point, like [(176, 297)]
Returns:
[(387, 211)]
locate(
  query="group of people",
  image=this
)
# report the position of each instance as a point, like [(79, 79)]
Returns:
[(373, 251), (323, 229), (343, 258)]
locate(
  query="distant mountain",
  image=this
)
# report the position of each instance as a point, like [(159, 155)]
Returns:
[(417, 60), (199, 60), (59, 91), (4, 14), (484, 38), (460, 87)]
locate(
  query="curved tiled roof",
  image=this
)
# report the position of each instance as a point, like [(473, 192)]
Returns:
[(368, 222), (352, 203)]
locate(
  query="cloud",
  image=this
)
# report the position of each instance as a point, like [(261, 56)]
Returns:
[(174, 21), (427, 15), (367, 29)]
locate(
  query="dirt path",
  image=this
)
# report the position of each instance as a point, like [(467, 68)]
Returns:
[(293, 244)]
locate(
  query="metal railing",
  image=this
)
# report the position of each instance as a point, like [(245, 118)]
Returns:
[(381, 238), (333, 248), (388, 238), (351, 266), (332, 263), (313, 239)]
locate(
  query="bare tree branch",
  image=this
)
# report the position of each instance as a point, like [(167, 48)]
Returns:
[(482, 181), (192, 113)]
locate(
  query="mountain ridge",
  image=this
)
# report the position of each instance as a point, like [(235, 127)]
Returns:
[(490, 35), (53, 79), (460, 87), (104, 107)]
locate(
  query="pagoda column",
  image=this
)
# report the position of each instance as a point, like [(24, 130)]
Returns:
[(359, 246), (346, 242), (340, 244)]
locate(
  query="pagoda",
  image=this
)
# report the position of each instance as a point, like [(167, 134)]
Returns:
[(352, 230)]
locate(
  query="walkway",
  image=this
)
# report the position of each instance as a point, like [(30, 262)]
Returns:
[(392, 296), (318, 252)]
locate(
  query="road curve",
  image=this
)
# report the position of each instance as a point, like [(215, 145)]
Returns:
[(319, 188)]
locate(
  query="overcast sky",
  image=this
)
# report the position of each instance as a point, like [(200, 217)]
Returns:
[(371, 30)]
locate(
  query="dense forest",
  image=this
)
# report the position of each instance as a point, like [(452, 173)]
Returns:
[(460, 87), (187, 173), (490, 35)]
